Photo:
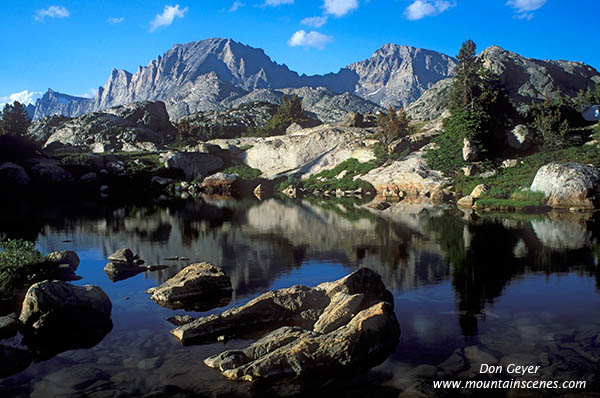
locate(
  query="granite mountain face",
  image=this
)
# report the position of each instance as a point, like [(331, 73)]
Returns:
[(213, 73)]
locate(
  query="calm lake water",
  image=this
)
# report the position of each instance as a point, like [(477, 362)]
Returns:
[(468, 289)]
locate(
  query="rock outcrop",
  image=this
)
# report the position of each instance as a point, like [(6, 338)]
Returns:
[(304, 153), (527, 79), (136, 126), (339, 327), (568, 185), (200, 286), (407, 179)]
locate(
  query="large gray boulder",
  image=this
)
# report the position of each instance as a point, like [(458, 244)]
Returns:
[(49, 299), (193, 165), (13, 174), (58, 316), (339, 327), (199, 286), (568, 185)]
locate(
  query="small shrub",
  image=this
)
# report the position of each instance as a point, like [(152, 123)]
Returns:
[(290, 111), (20, 265), (391, 126)]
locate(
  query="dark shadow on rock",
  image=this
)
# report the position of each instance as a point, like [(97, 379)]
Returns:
[(13, 360), (61, 333)]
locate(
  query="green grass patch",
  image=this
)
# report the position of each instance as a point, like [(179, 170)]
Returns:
[(20, 265), (327, 180), (507, 204), (243, 171), (513, 179)]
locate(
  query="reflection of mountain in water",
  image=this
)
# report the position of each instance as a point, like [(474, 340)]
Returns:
[(257, 241)]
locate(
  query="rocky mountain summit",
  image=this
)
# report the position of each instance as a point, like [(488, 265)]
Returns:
[(209, 74), (55, 103)]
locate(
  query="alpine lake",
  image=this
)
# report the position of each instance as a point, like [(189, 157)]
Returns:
[(469, 289)]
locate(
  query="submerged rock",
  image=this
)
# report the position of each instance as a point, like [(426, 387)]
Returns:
[(200, 286), (568, 185), (344, 326)]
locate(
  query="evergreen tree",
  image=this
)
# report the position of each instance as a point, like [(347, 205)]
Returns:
[(479, 108), (467, 79), (15, 119)]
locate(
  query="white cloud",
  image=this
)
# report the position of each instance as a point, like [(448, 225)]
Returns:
[(524, 8), (91, 93), (315, 22), (166, 18), (340, 7), (25, 97), (116, 20), (51, 12), (236, 5), (311, 39), (426, 8), (275, 3)]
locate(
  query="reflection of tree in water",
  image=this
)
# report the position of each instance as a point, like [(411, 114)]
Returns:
[(394, 241), (482, 260), (193, 214)]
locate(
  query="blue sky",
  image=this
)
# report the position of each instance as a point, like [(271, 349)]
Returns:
[(71, 46)]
